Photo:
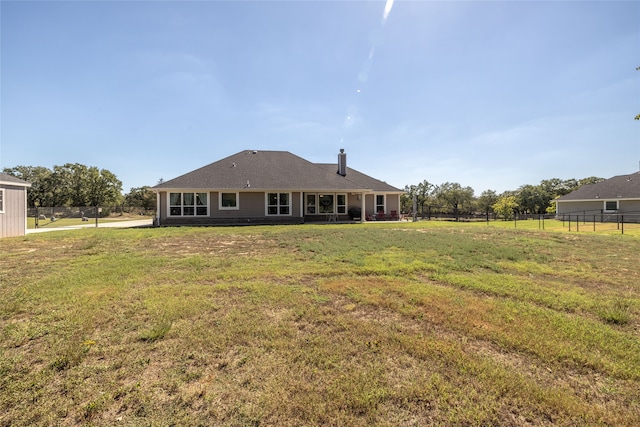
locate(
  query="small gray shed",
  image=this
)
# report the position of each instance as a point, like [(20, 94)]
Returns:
[(13, 206)]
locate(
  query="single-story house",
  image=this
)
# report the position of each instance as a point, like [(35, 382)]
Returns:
[(13, 206), (607, 200), (271, 187)]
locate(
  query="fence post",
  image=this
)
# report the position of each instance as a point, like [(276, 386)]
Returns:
[(622, 220), (577, 222), (594, 223), (569, 222)]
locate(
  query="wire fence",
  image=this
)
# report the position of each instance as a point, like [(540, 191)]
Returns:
[(628, 222), (48, 215)]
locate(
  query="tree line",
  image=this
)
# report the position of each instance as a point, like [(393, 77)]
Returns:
[(78, 185), (453, 198)]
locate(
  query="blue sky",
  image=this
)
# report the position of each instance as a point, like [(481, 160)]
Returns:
[(489, 94)]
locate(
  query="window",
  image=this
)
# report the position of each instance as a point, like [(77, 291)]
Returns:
[(1, 200), (341, 203), (326, 203), (278, 204), (201, 204), (380, 203), (175, 204), (188, 204), (611, 205), (228, 201), (311, 204)]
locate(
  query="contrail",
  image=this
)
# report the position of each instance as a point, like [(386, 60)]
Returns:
[(387, 11)]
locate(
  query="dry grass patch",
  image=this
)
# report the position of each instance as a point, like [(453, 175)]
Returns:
[(392, 324)]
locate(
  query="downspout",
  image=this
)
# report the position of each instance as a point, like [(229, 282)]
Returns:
[(302, 207), (157, 209), (24, 230)]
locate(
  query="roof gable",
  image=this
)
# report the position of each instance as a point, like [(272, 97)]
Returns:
[(275, 170), (618, 187)]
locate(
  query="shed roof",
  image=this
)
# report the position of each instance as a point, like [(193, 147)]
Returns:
[(618, 187), (273, 170), (12, 180)]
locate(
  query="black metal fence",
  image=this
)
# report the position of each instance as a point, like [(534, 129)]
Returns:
[(600, 221)]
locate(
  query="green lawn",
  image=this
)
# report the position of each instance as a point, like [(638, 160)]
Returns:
[(426, 323)]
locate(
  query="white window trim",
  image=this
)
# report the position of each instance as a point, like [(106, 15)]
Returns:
[(4, 199), (266, 203), (375, 202), (315, 205), (182, 192), (229, 208), (333, 204), (346, 203), (334, 208), (604, 207)]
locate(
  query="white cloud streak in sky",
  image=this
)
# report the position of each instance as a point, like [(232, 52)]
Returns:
[(387, 10)]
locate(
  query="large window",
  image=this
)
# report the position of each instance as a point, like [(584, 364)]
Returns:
[(278, 204), (380, 203), (228, 201), (326, 203), (188, 204)]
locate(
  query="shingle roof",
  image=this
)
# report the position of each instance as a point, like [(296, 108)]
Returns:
[(10, 179), (618, 187), (273, 170), (361, 179)]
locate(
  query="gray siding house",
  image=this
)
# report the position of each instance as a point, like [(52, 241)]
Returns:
[(605, 200), (271, 187), (13, 206)]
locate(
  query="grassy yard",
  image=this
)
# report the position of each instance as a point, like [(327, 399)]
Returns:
[(427, 323)]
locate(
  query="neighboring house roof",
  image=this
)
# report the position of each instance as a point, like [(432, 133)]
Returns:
[(618, 187), (12, 180), (271, 170)]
